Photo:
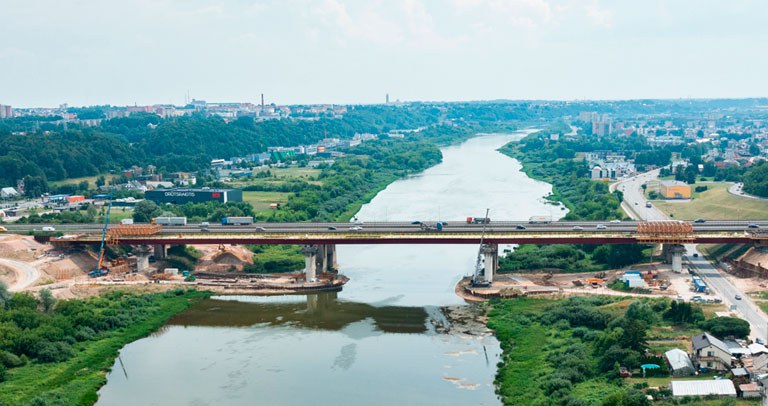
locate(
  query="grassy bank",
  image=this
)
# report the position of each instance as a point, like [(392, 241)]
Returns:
[(716, 203), (76, 380)]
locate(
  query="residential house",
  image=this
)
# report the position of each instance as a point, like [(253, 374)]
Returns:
[(8, 193), (709, 352)]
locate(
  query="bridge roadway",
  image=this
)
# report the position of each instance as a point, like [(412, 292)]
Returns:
[(454, 232)]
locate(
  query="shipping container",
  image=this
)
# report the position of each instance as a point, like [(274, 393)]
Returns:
[(236, 221), (75, 199), (126, 221)]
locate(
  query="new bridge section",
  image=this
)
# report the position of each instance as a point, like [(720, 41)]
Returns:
[(458, 233)]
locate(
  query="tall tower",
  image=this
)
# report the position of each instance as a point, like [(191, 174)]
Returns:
[(262, 101), (387, 98)]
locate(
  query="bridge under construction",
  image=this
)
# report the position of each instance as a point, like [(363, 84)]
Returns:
[(319, 240)]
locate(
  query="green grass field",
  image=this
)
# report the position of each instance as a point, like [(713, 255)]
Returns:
[(716, 204), (261, 200), (74, 181)]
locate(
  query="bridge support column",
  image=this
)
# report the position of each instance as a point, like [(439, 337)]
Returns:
[(322, 258), (677, 257), (491, 259), (142, 257), (161, 251), (332, 262), (310, 261)]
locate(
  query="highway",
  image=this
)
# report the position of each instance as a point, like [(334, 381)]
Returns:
[(634, 205)]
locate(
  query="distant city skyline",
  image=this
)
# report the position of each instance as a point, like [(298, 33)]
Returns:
[(348, 52)]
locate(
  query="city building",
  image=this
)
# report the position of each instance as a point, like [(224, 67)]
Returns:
[(673, 189), (188, 195), (6, 111)]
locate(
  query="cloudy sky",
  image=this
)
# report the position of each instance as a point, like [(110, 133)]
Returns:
[(86, 52)]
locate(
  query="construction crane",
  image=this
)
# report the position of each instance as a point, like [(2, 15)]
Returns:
[(476, 281), (101, 270)]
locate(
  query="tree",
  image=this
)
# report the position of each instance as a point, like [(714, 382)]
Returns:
[(722, 327), (5, 295), (145, 211), (46, 299), (101, 181)]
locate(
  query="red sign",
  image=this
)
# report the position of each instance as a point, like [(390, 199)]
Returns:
[(216, 194)]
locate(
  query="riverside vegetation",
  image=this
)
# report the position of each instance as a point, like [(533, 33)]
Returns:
[(569, 351), (555, 162), (57, 353)]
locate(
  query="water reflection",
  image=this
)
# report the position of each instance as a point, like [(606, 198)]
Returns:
[(322, 311)]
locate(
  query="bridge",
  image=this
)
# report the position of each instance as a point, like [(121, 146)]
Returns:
[(319, 240)]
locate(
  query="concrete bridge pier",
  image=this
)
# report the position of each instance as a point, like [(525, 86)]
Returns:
[(673, 254), (161, 251), (491, 260), (310, 261), (677, 257), (331, 257), (142, 257)]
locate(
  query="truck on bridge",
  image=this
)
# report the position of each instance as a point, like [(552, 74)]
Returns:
[(236, 221), (540, 220), (478, 220), (170, 221)]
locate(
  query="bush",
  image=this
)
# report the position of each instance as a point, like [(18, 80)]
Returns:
[(10, 360), (54, 352), (722, 327), (701, 188)]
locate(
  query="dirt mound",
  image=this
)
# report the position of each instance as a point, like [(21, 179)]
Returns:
[(22, 248), (70, 266), (232, 258)]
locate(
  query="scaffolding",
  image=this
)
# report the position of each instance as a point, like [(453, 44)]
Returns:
[(665, 232), (131, 230)]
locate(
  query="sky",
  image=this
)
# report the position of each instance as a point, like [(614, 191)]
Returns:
[(92, 52)]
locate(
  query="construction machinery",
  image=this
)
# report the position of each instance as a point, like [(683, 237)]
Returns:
[(102, 270), (476, 280)]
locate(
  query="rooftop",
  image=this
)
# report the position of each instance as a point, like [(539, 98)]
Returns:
[(700, 341), (723, 387), (669, 183)]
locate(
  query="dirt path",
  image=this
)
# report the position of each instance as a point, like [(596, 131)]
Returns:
[(26, 274)]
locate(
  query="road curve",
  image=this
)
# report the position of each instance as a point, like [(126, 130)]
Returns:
[(26, 274)]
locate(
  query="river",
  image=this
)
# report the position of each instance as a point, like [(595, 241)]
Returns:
[(373, 343)]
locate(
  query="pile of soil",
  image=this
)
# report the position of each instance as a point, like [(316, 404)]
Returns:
[(70, 266), (20, 248), (232, 258)]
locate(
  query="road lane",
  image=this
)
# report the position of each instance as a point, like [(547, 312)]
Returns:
[(712, 276)]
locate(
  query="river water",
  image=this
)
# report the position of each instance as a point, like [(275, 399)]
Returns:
[(375, 342)]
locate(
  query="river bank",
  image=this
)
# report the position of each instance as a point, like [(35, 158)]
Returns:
[(75, 381)]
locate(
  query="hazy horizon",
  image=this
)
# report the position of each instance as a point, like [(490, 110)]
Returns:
[(345, 52)]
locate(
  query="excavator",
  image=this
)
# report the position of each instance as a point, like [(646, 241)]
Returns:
[(102, 270)]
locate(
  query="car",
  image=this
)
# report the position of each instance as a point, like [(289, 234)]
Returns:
[(416, 223), (635, 203), (261, 229), (578, 228), (520, 227), (355, 228), (753, 226), (601, 227), (49, 228), (695, 254), (616, 221), (680, 298), (332, 228), (699, 221), (737, 297)]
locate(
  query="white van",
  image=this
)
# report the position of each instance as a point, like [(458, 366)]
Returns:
[(49, 228)]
